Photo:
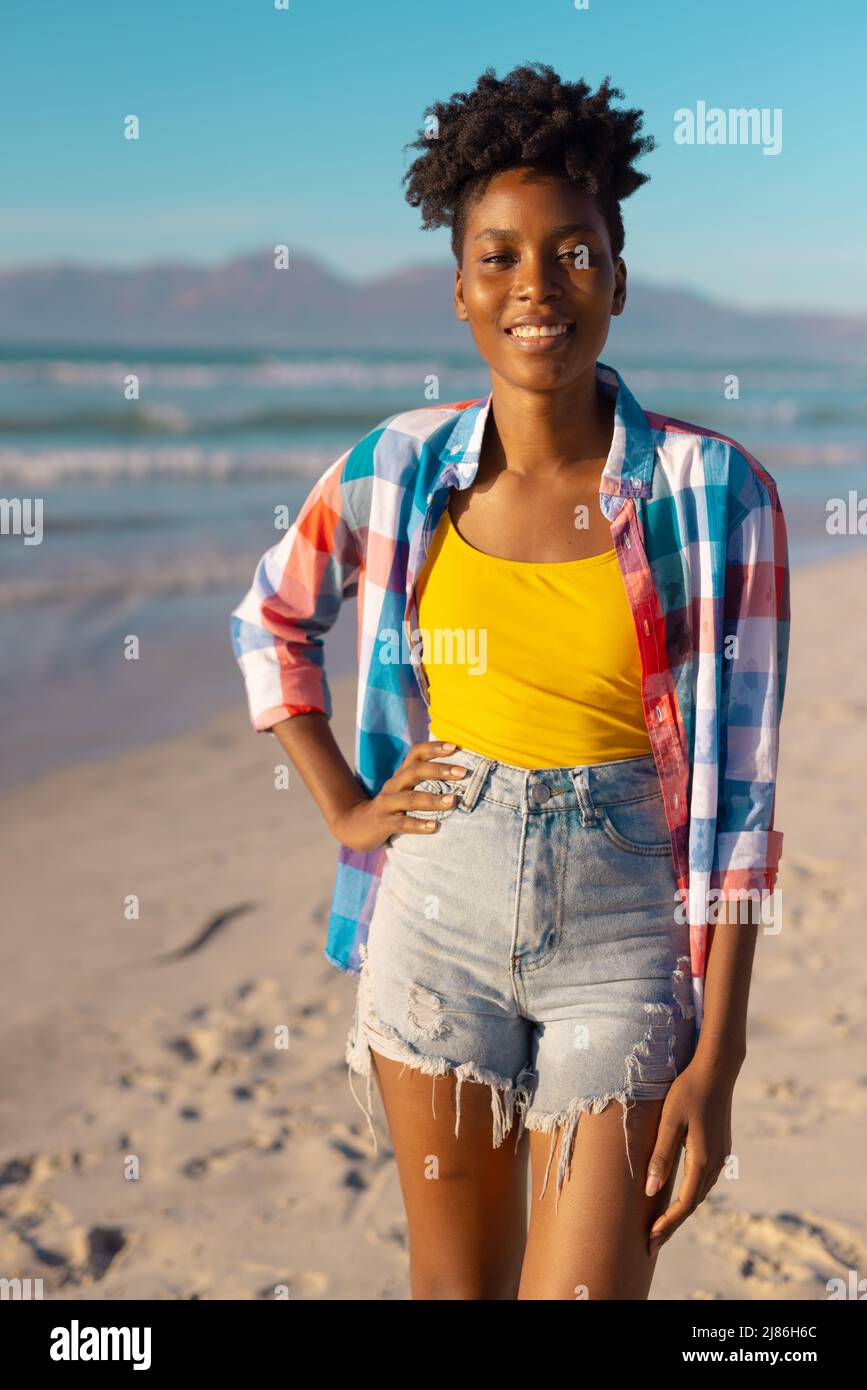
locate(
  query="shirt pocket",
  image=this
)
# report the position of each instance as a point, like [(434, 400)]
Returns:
[(638, 826)]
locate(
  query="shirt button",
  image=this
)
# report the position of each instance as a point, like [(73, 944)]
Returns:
[(540, 791)]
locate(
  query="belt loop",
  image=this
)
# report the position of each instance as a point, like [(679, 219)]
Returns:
[(473, 786), (581, 781)]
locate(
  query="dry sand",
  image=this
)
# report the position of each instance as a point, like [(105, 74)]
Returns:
[(255, 1163)]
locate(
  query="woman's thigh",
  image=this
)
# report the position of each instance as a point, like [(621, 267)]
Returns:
[(466, 1201), (609, 986), (594, 1245)]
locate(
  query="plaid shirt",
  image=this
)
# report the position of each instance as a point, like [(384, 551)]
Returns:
[(701, 541)]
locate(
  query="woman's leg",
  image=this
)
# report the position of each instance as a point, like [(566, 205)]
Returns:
[(466, 1201), (595, 1245)]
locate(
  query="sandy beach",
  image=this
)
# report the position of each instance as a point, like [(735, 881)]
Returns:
[(156, 1143)]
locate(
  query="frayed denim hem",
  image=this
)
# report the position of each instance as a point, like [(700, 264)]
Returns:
[(649, 1071), (506, 1094)]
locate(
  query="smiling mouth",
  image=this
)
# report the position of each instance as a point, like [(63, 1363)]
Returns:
[(540, 339)]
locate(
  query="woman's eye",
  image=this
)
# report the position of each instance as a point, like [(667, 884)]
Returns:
[(567, 255)]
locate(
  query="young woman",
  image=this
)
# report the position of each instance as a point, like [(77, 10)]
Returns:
[(573, 631)]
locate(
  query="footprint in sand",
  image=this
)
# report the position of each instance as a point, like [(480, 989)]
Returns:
[(43, 1242), (814, 1104), (32, 1169), (789, 1255)]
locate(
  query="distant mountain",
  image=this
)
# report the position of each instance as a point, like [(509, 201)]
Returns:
[(246, 303)]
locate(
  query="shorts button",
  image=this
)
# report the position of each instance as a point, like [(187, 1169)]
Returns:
[(540, 791)]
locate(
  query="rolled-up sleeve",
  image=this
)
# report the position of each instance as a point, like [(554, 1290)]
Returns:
[(756, 618), (295, 597)]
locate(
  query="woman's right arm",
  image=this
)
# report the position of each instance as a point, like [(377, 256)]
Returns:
[(314, 752), (359, 821), (277, 632)]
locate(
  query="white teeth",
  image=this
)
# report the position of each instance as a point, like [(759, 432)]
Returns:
[(524, 330)]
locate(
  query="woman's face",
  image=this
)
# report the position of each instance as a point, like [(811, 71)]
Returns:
[(519, 261)]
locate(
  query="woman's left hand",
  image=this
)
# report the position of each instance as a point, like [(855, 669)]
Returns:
[(698, 1106)]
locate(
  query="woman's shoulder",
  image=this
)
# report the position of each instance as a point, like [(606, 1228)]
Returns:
[(404, 435), (376, 472), (695, 457)]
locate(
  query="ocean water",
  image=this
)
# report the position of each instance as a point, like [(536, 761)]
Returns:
[(155, 511)]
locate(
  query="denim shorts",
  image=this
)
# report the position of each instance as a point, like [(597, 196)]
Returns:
[(532, 943)]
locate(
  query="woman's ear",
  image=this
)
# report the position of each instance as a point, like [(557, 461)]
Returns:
[(618, 302), (460, 306)]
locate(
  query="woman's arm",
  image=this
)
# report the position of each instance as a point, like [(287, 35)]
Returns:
[(722, 1043), (277, 637), (698, 1107), (314, 751), (294, 600), (747, 847), (358, 820)]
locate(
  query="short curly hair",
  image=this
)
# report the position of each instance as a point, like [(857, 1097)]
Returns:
[(530, 117)]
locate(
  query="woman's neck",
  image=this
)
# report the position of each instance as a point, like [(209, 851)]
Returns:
[(547, 433)]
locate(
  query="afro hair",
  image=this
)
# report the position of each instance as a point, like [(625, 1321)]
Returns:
[(529, 118)]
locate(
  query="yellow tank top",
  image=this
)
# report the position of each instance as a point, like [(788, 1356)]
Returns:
[(534, 664)]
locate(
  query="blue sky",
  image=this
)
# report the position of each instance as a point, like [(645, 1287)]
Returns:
[(261, 126)]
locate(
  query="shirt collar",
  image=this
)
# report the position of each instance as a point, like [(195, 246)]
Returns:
[(628, 470)]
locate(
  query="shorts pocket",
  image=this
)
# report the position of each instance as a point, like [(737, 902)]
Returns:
[(638, 826)]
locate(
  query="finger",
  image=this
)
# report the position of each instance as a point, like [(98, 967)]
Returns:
[(711, 1178), (447, 770), (683, 1205), (411, 825), (428, 749), (407, 777), (426, 801), (421, 801), (664, 1157), (411, 800)]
